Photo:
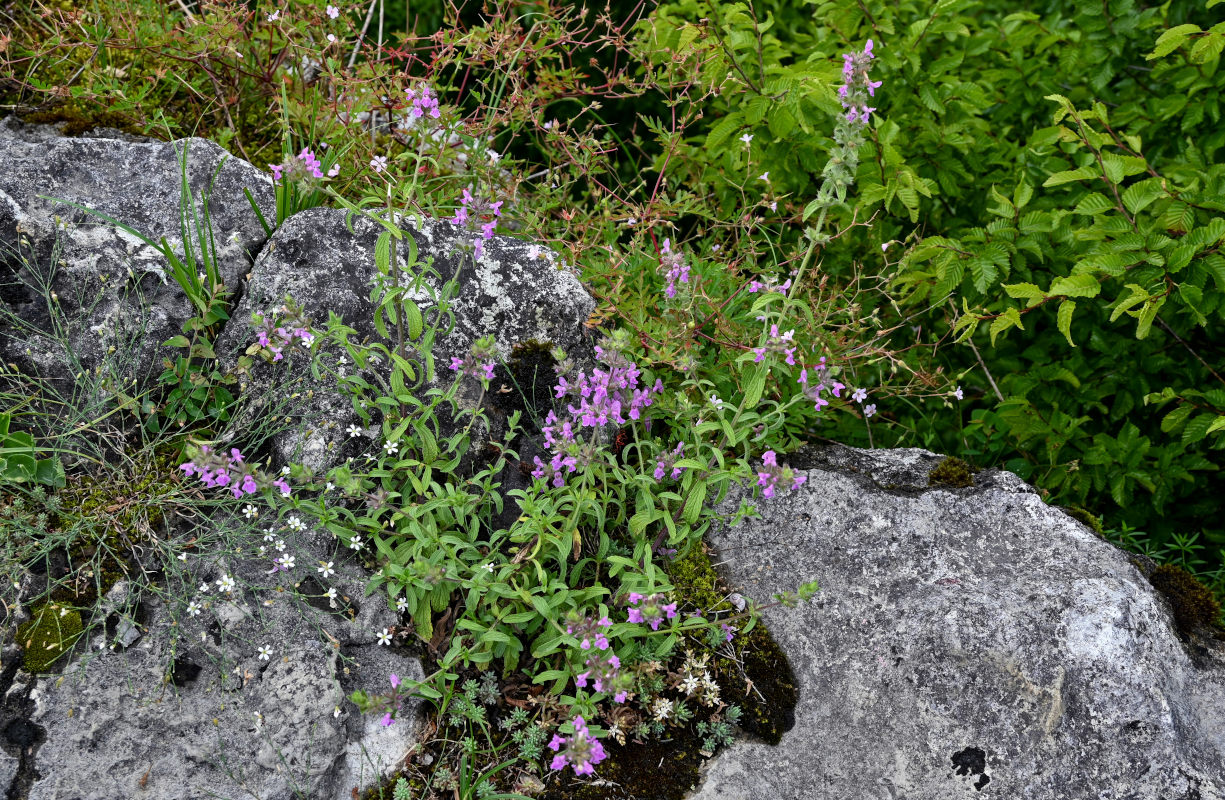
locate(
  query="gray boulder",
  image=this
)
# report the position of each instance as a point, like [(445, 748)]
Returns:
[(192, 710), (115, 291), (965, 643)]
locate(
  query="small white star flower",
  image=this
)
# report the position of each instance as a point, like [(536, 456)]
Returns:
[(356, 543), (325, 569), (183, 557), (488, 567), (295, 524), (226, 584), (265, 653), (280, 545), (287, 562), (330, 593), (336, 713), (205, 588), (329, 487), (249, 511), (269, 536), (401, 603), (378, 163), (391, 447), (193, 609), (342, 360), (385, 638), (285, 470), (354, 431)]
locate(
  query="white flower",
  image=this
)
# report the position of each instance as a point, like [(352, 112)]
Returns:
[(280, 545), (342, 360), (401, 603), (183, 557), (355, 543), (958, 393), (204, 588), (378, 163), (330, 486), (287, 562), (262, 550), (774, 206), (249, 511), (690, 684), (295, 524), (533, 252), (662, 709), (285, 470), (193, 609), (488, 567), (333, 12), (325, 569), (225, 584), (715, 401), (885, 246), (385, 637), (269, 536), (748, 137), (265, 653), (354, 430), (330, 593), (391, 448), (336, 713), (765, 176), (274, 15), (869, 410)]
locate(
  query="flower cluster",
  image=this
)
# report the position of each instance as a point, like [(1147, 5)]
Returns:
[(601, 667), (769, 286), (778, 343), (649, 610), (855, 72), (861, 394), (422, 102), (479, 361), (605, 397), (813, 390), (582, 751), (674, 267), (474, 211), (771, 474), (303, 166), (277, 336), (667, 462), (220, 470)]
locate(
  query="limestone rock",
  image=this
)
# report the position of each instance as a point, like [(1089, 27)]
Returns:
[(192, 710), (112, 289), (965, 643)]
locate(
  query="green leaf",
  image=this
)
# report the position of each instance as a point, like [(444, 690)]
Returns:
[(1197, 428), (1025, 291), (1080, 174), (1066, 309), (755, 386), (176, 341), (1022, 194), (693, 505), (1094, 203), (1076, 286), (1175, 419), (1171, 40), (1139, 195)]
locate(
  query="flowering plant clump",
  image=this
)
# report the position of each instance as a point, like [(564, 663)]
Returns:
[(301, 168), (649, 610), (581, 750), (476, 212), (479, 362), (771, 474), (274, 335), (674, 267), (218, 470)]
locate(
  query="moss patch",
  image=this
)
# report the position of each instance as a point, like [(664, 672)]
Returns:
[(635, 772), (1194, 604), (951, 473), (769, 705), (49, 634), (79, 120), (1083, 516)]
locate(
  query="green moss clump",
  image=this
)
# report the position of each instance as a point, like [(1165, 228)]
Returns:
[(1194, 603), (1082, 515), (769, 712), (951, 473), (49, 634), (78, 120)]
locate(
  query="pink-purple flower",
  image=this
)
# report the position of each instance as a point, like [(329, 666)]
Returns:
[(771, 475), (581, 751)]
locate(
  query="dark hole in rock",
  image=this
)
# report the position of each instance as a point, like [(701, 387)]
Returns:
[(972, 761), (184, 672), (23, 733)]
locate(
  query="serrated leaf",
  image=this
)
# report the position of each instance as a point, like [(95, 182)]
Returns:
[(693, 504), (756, 385), (1094, 203), (1068, 176), (1064, 319), (1171, 40), (1197, 428), (1022, 194), (1139, 195), (1175, 419), (1217, 425), (1082, 285), (1138, 295), (382, 252)]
